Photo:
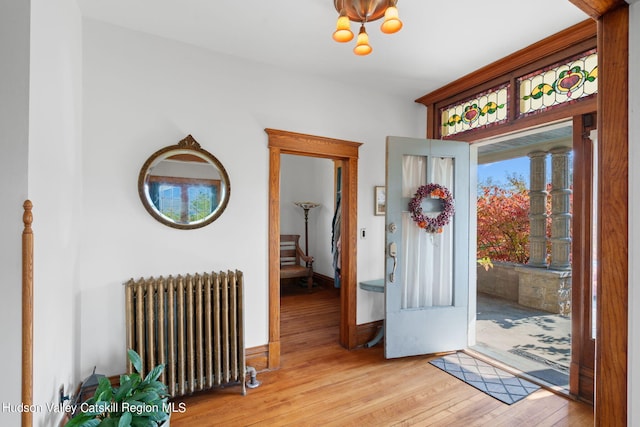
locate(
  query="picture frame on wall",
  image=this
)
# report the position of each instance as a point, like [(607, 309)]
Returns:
[(379, 200)]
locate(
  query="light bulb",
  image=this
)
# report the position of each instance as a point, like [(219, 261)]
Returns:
[(343, 32), (392, 24), (362, 43)]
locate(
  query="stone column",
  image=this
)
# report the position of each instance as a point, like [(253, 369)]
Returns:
[(560, 209), (537, 209)]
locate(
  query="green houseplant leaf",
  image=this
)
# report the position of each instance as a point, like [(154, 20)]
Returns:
[(109, 422), (125, 420), (135, 359), (83, 421), (154, 374), (136, 402)]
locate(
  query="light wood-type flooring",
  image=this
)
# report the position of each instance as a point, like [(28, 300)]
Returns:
[(322, 384)]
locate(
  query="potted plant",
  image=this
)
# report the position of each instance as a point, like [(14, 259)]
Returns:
[(137, 402)]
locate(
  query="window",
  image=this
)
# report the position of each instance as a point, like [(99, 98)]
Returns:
[(484, 109), (184, 200), (559, 83)]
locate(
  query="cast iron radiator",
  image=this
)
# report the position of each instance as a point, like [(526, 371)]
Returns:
[(193, 324)]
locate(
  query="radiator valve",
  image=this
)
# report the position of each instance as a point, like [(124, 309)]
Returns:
[(253, 381)]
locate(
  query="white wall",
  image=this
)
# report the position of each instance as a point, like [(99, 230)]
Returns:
[(633, 395), (371, 251), (142, 93), (40, 122), (14, 134), (55, 187)]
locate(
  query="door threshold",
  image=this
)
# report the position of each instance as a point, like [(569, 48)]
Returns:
[(493, 358)]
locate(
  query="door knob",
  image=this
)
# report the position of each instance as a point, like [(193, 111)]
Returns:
[(393, 253)]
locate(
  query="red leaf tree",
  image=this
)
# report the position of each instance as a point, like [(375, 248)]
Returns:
[(503, 221)]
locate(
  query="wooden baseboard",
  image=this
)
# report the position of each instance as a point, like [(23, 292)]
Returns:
[(258, 357), (323, 281), (366, 331)]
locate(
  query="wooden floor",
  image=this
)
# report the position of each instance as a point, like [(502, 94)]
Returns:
[(322, 384)]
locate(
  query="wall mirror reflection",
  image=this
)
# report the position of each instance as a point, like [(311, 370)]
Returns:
[(184, 186)]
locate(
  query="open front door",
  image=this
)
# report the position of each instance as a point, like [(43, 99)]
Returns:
[(426, 273)]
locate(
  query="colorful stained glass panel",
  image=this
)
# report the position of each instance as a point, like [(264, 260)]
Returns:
[(484, 109), (558, 84)]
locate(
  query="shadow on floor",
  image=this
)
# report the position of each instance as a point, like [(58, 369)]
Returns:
[(530, 340)]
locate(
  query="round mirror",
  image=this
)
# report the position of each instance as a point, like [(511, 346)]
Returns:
[(184, 186)]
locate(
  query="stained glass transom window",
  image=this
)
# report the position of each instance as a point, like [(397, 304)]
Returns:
[(484, 109), (558, 84)]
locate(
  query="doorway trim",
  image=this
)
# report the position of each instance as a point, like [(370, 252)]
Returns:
[(284, 142)]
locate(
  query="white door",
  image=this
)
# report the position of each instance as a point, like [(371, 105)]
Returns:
[(426, 272)]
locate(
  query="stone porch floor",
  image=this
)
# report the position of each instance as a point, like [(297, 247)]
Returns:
[(530, 340)]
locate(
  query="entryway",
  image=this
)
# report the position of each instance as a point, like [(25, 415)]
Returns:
[(528, 282)]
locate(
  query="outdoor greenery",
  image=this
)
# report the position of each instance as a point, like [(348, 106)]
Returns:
[(503, 221), (200, 207)]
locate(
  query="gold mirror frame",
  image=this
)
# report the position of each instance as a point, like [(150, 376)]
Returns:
[(191, 160)]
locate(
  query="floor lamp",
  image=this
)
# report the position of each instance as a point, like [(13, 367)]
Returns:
[(306, 206)]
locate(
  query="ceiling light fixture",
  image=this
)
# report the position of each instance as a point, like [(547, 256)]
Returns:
[(364, 11)]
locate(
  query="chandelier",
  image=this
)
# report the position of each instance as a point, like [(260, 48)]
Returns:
[(364, 11)]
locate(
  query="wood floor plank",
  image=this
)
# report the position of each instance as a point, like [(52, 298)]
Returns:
[(322, 384)]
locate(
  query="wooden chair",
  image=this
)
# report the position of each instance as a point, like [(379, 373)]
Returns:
[(293, 262)]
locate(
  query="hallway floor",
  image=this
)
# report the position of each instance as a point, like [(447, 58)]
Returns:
[(319, 383)]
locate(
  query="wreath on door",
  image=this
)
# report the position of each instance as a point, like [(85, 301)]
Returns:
[(428, 223)]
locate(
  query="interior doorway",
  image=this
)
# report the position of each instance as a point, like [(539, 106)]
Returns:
[(346, 152), (310, 210)]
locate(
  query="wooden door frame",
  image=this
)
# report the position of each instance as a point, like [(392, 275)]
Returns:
[(582, 369), (284, 142), (613, 249), (612, 338)]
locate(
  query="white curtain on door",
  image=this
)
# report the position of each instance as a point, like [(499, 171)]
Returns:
[(428, 258)]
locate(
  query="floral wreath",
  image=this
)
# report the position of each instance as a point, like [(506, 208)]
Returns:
[(431, 224)]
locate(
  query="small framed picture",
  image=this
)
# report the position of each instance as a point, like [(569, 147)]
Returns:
[(379, 200)]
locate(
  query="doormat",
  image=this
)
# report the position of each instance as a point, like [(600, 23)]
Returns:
[(495, 382)]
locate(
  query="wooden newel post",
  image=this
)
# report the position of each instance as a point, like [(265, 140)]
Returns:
[(27, 314)]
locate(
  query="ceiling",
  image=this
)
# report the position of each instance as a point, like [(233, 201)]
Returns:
[(521, 143), (440, 41)]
